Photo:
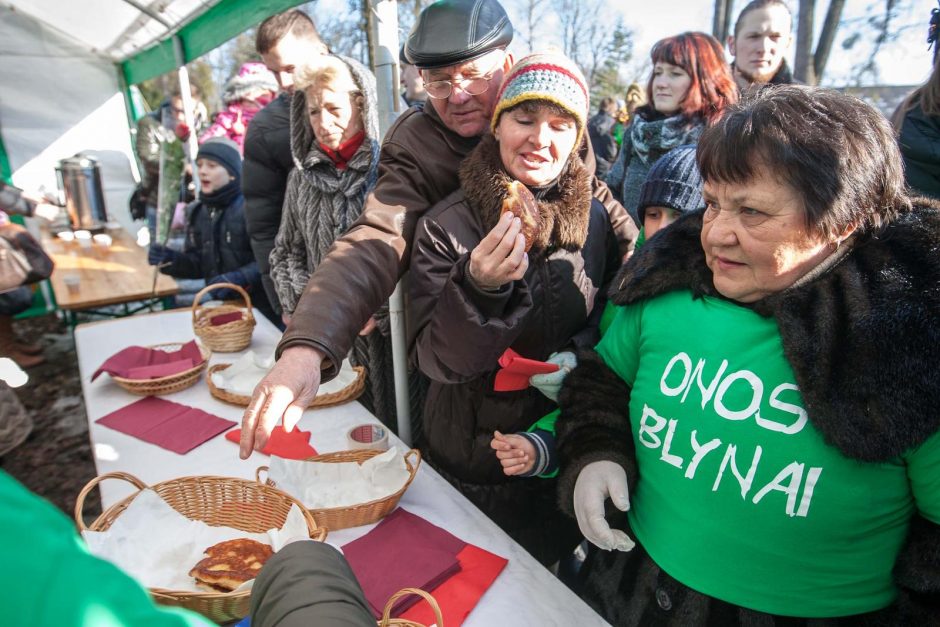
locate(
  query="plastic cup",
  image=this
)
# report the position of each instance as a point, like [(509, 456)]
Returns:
[(66, 236), (72, 283), (103, 239), (84, 238)]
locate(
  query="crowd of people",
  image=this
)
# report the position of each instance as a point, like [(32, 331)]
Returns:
[(736, 276)]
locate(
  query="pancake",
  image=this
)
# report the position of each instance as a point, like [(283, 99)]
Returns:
[(229, 564)]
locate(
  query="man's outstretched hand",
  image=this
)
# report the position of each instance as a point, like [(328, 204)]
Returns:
[(285, 392)]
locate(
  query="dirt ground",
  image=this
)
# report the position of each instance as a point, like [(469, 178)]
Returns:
[(56, 460)]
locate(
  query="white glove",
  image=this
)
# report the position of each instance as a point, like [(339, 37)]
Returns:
[(550, 384), (596, 482)]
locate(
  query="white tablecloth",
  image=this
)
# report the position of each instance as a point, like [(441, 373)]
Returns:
[(525, 593)]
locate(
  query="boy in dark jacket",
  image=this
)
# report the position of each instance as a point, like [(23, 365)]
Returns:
[(217, 247)]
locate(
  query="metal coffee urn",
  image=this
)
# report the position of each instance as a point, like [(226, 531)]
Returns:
[(80, 180)]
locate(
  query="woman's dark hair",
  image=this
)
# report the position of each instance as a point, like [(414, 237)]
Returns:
[(703, 59), (836, 152)]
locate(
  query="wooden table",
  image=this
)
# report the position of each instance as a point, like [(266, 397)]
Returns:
[(524, 594), (107, 275)]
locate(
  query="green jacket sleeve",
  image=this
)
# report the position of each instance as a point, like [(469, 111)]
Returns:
[(49, 577)]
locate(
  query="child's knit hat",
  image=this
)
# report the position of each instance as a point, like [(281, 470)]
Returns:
[(253, 80), (547, 76), (674, 182), (223, 151)]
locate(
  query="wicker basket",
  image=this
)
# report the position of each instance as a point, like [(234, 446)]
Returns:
[(347, 394), (224, 338), (363, 513), (170, 383), (217, 501), (387, 621)]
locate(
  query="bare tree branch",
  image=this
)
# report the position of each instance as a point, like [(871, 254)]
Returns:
[(827, 37), (803, 65)]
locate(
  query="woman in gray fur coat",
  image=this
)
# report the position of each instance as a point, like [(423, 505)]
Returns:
[(335, 147)]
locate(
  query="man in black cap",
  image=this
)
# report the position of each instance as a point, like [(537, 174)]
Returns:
[(459, 46)]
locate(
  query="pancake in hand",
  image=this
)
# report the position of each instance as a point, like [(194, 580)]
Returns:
[(229, 564), (520, 202)]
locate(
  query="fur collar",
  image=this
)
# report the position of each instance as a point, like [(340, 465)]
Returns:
[(565, 207), (860, 338)]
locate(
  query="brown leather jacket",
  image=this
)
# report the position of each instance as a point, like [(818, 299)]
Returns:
[(417, 169), (459, 331)]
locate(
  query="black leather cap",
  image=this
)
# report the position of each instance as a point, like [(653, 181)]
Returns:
[(449, 32)]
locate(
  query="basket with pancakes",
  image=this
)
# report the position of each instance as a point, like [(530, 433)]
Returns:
[(239, 505)]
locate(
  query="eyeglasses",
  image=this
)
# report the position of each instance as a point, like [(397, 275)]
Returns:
[(473, 86)]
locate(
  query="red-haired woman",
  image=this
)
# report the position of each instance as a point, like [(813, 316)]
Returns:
[(690, 86)]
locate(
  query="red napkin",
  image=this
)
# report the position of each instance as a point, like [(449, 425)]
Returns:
[(175, 427), (293, 445), (516, 371), (124, 361), (459, 595), (159, 370), (225, 318), (403, 551)]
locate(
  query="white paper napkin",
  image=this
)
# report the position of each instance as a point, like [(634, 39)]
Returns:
[(158, 546), (320, 485)]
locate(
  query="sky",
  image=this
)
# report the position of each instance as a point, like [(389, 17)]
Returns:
[(902, 62), (905, 62)]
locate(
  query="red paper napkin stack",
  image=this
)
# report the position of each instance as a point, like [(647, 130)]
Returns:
[(406, 551), (175, 427), (225, 318), (139, 362)]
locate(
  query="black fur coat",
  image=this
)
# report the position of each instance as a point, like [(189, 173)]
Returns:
[(861, 338)]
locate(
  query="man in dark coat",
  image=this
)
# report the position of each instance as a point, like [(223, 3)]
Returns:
[(284, 41), (601, 129), (762, 36)]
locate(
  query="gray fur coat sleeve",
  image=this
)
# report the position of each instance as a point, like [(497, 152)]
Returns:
[(594, 424), (289, 263)]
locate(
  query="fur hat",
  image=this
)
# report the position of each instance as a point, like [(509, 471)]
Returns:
[(674, 182), (223, 151), (253, 80), (547, 76)]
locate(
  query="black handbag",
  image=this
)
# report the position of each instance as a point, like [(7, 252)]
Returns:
[(138, 203), (24, 246)]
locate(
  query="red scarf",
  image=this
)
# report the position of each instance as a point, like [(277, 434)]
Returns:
[(346, 150)]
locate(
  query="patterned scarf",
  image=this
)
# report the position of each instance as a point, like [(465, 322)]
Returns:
[(652, 138)]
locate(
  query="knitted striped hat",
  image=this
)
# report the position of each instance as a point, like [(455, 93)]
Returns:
[(547, 76)]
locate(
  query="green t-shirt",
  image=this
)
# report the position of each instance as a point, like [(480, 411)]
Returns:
[(738, 496)]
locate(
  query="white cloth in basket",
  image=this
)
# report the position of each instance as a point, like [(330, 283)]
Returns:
[(245, 373), (158, 546), (322, 485)]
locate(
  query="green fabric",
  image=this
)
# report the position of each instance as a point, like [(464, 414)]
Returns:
[(738, 495), (217, 25), (6, 173), (49, 578)]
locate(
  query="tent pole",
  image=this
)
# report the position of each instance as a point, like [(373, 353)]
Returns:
[(129, 109), (187, 96), (384, 33)]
